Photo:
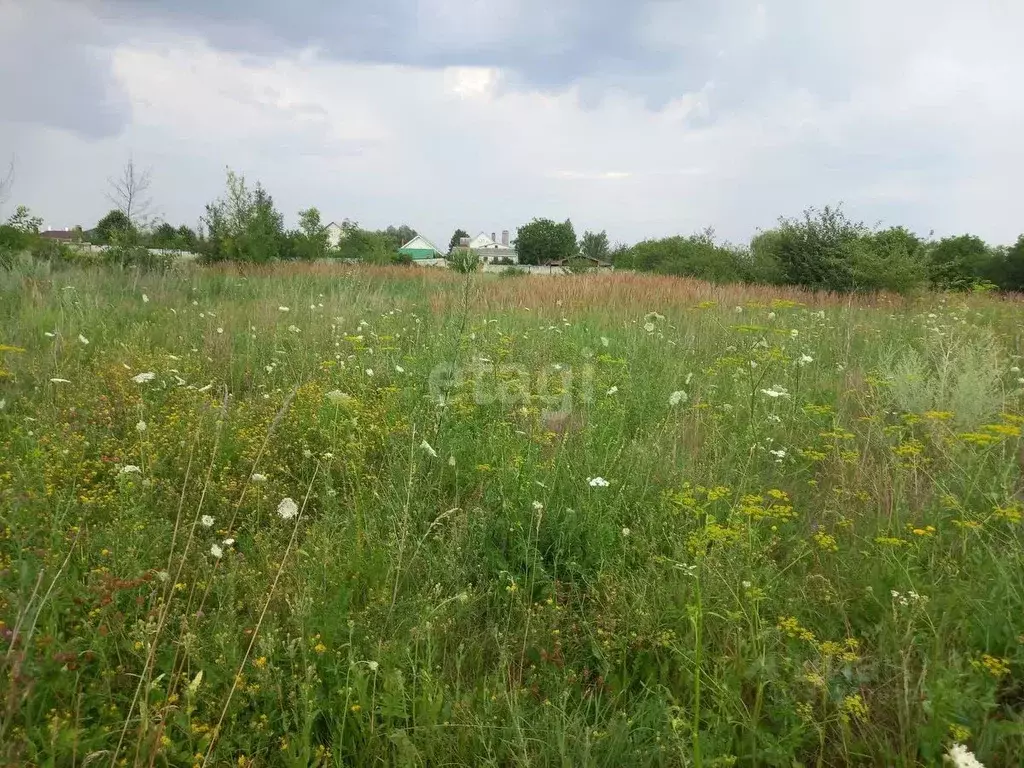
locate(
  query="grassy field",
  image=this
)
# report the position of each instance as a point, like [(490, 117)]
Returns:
[(318, 516)]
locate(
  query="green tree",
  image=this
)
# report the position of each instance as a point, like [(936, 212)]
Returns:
[(244, 225), (958, 263), (1008, 269), (187, 238), (816, 251), (114, 222), (892, 259), (456, 239), (359, 244), (20, 233), (595, 245), (312, 242), (543, 240), (23, 221), (164, 236), (400, 235)]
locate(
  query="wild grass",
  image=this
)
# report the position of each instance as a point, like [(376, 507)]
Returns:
[(651, 521)]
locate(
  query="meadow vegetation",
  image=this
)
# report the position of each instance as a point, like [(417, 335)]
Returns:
[(331, 515)]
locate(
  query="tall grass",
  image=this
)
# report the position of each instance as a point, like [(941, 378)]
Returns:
[(810, 554)]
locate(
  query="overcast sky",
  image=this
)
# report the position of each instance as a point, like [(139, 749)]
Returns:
[(642, 117)]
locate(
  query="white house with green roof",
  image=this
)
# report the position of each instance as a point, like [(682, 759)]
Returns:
[(419, 248)]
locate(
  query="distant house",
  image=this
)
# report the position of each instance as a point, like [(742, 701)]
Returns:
[(62, 235), (594, 263), (419, 248), (490, 249), (335, 233)]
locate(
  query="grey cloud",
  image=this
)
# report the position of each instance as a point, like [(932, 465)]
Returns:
[(57, 72), (541, 44), (657, 49)]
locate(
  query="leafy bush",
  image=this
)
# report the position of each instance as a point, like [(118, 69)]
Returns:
[(817, 251), (464, 260), (1007, 267), (957, 263), (956, 374), (889, 260), (693, 256), (12, 242)]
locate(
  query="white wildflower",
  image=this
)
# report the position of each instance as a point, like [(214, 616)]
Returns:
[(746, 584), (338, 397), (141, 427), (294, 329), (626, 532), (805, 360), (777, 390), (597, 482), (677, 397), (451, 461), (228, 542), (142, 378), (794, 333), (612, 390), (428, 449), (220, 330), (961, 757), (373, 665), (369, 372), (738, 310), (145, 299), (649, 327), (259, 478), (216, 551), (306, 453), (206, 521), (130, 469), (771, 315), (538, 506), (287, 509), (779, 454), (82, 339)]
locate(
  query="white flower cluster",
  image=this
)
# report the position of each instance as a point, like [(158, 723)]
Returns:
[(961, 757), (908, 598)]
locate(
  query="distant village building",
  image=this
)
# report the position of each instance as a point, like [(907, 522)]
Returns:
[(335, 233), (490, 249), (420, 249), (62, 235)]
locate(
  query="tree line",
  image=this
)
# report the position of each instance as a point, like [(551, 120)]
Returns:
[(822, 249)]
